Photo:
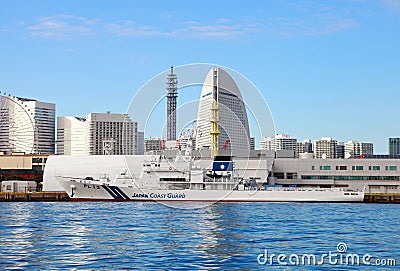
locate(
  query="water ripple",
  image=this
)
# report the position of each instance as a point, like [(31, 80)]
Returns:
[(149, 236)]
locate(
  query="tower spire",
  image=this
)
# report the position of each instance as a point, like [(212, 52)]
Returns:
[(172, 94)]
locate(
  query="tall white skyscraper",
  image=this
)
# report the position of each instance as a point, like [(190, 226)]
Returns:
[(233, 123), (27, 125), (71, 135)]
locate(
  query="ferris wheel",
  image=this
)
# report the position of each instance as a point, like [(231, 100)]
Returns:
[(17, 125)]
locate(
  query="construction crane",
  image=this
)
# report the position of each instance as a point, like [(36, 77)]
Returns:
[(214, 132)]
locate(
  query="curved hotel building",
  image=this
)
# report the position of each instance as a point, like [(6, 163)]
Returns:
[(233, 123)]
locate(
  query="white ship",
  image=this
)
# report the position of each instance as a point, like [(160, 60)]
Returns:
[(181, 180)]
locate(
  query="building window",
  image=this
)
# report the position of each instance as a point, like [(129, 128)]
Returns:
[(36, 160)]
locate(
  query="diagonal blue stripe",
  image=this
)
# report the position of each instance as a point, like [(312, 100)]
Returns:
[(109, 191)]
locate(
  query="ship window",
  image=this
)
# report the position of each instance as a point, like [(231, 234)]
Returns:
[(173, 179), (279, 175), (312, 167), (393, 168)]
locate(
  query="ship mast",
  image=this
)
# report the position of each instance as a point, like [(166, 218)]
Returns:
[(214, 132)]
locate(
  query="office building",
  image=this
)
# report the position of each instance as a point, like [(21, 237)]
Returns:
[(233, 123), (278, 142), (27, 126), (71, 135), (98, 134), (340, 150), (266, 144), (325, 148), (140, 143), (356, 149), (252, 143), (304, 147), (153, 144), (394, 146), (111, 134)]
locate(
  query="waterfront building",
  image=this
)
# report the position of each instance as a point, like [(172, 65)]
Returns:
[(26, 166), (140, 143), (356, 149), (266, 144), (340, 150), (304, 147), (279, 142), (71, 135), (394, 146), (27, 126), (44, 115), (375, 175), (153, 144), (252, 143), (233, 123), (325, 148), (111, 134), (284, 142)]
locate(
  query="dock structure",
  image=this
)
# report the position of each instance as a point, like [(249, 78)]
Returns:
[(33, 196), (382, 198)]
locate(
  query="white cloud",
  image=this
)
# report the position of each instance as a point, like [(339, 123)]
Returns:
[(63, 27), (221, 29), (68, 27), (129, 28)]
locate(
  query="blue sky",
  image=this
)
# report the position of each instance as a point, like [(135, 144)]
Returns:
[(326, 68)]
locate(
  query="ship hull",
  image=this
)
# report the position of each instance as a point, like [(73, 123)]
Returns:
[(104, 192)]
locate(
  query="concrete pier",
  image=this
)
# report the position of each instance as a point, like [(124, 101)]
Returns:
[(382, 198), (34, 196)]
